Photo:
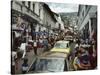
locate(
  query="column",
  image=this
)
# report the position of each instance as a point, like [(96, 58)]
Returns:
[(90, 27)]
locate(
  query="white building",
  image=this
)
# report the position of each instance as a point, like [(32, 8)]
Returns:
[(49, 20), (59, 23), (87, 20), (37, 15)]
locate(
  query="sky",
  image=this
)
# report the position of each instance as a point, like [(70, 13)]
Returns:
[(63, 7)]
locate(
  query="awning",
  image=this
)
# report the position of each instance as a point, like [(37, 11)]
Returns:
[(40, 33)]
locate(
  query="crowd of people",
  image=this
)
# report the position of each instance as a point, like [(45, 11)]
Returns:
[(43, 43), (38, 44), (85, 55)]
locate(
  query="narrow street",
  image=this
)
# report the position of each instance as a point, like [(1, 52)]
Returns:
[(47, 39), (72, 45)]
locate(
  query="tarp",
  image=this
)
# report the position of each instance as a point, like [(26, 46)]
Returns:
[(40, 33)]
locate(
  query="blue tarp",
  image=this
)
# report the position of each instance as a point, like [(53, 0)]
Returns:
[(40, 33)]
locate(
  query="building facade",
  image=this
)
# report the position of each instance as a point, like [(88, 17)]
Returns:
[(28, 19), (27, 14), (36, 15), (87, 21), (49, 20)]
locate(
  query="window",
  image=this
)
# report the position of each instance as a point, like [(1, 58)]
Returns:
[(83, 13), (61, 45), (51, 65), (14, 20), (39, 28), (86, 7), (23, 2), (13, 17), (21, 8), (29, 4), (93, 23), (39, 11), (33, 6)]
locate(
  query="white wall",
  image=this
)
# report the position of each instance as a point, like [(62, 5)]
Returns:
[(82, 23), (86, 20), (41, 12), (43, 28), (37, 8), (61, 23), (48, 19), (26, 3), (37, 28), (16, 6), (31, 6)]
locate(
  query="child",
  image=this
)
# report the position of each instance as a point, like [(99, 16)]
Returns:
[(25, 66)]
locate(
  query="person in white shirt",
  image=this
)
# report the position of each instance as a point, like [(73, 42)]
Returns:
[(35, 46), (23, 48)]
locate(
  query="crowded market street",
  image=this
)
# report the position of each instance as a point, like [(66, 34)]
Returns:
[(44, 40)]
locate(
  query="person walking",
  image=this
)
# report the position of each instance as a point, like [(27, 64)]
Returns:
[(40, 45), (93, 56), (76, 63), (78, 41), (52, 41), (23, 49), (45, 42), (85, 59), (35, 46)]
